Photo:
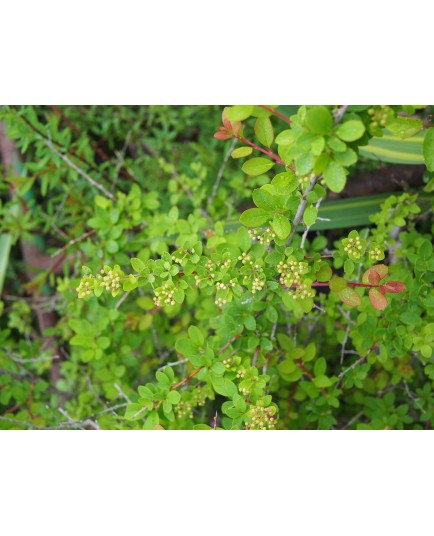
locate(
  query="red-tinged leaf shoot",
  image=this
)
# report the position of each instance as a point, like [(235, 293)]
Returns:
[(394, 287), (377, 299), (222, 135), (374, 277), (380, 269)]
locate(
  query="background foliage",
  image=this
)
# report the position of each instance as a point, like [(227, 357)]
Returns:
[(223, 282)]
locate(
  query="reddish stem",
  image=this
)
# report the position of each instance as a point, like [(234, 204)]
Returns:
[(268, 152), (276, 113), (322, 257), (365, 285), (186, 379)]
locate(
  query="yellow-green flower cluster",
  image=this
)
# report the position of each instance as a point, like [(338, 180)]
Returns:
[(303, 291), (262, 418), (111, 280), (291, 271), (245, 258), (184, 409), (108, 279), (85, 287), (164, 296), (375, 253), (199, 397), (354, 246), (264, 238), (379, 116), (304, 180)]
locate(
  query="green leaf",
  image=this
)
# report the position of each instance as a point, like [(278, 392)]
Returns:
[(240, 112), (348, 266), (320, 366), (257, 166), (264, 131), (151, 421), (103, 342), (162, 378), (281, 226), (174, 397), (286, 137), (254, 217), (346, 158), (310, 215), (145, 392), (185, 347), (112, 246), (138, 265), (335, 144), (287, 366), (324, 273), (133, 412), (350, 130), (218, 368), (263, 199), (337, 284), (241, 152), (196, 336), (405, 127), (285, 182), (322, 381), (319, 120), (425, 250), (335, 177), (350, 297), (428, 149), (130, 284)]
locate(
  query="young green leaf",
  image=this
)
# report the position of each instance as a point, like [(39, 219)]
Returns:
[(405, 127), (428, 149), (254, 217), (257, 166), (264, 131), (310, 215), (319, 120), (240, 112), (337, 283), (241, 152), (335, 177), (281, 226), (350, 130), (137, 264)]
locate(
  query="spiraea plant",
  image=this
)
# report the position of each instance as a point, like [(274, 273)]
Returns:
[(202, 318)]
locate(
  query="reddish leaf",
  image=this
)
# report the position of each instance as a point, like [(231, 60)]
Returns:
[(236, 127), (227, 124), (222, 135), (350, 297), (377, 299), (380, 269), (374, 277), (395, 287), (382, 289)]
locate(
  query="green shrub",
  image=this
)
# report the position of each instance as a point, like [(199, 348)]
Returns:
[(175, 311)]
